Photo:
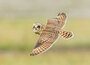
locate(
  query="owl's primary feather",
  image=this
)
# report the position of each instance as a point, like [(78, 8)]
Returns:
[(66, 34)]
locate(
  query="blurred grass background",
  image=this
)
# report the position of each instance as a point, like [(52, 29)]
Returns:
[(17, 38)]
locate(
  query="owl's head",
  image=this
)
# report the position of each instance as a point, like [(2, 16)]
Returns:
[(37, 28)]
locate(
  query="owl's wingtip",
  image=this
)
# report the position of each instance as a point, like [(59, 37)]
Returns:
[(61, 13), (31, 54)]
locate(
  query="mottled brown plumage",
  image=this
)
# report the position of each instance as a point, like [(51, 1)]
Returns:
[(49, 33)]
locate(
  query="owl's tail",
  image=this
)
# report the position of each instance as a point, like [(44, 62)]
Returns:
[(65, 34)]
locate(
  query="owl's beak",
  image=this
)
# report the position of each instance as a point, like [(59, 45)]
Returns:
[(35, 28)]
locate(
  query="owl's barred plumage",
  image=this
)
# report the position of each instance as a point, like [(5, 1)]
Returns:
[(66, 34), (49, 33), (61, 17), (45, 41)]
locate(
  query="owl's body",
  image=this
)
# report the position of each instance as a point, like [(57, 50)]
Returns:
[(49, 33)]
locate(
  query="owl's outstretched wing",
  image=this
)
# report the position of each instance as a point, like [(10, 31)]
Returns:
[(45, 41), (59, 21), (47, 38), (61, 17)]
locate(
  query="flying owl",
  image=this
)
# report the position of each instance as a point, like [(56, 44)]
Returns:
[(49, 33)]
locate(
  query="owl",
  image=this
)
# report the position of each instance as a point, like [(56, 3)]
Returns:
[(49, 33)]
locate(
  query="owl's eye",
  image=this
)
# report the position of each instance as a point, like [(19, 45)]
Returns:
[(38, 26), (33, 26)]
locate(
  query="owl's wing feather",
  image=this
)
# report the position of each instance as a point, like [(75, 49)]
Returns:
[(52, 22), (45, 41), (61, 17), (59, 21)]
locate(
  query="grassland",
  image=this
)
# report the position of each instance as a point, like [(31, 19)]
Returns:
[(17, 40)]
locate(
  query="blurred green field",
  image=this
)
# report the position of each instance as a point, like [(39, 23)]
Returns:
[(17, 41), (49, 58)]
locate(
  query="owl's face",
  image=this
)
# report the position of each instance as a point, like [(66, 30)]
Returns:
[(37, 27)]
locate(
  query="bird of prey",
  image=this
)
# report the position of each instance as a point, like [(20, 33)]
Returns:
[(49, 33)]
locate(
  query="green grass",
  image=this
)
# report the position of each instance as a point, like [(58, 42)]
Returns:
[(49, 58)]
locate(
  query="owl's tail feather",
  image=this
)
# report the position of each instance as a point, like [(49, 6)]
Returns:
[(65, 34)]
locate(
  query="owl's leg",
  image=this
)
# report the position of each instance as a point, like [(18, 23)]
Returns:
[(66, 34)]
